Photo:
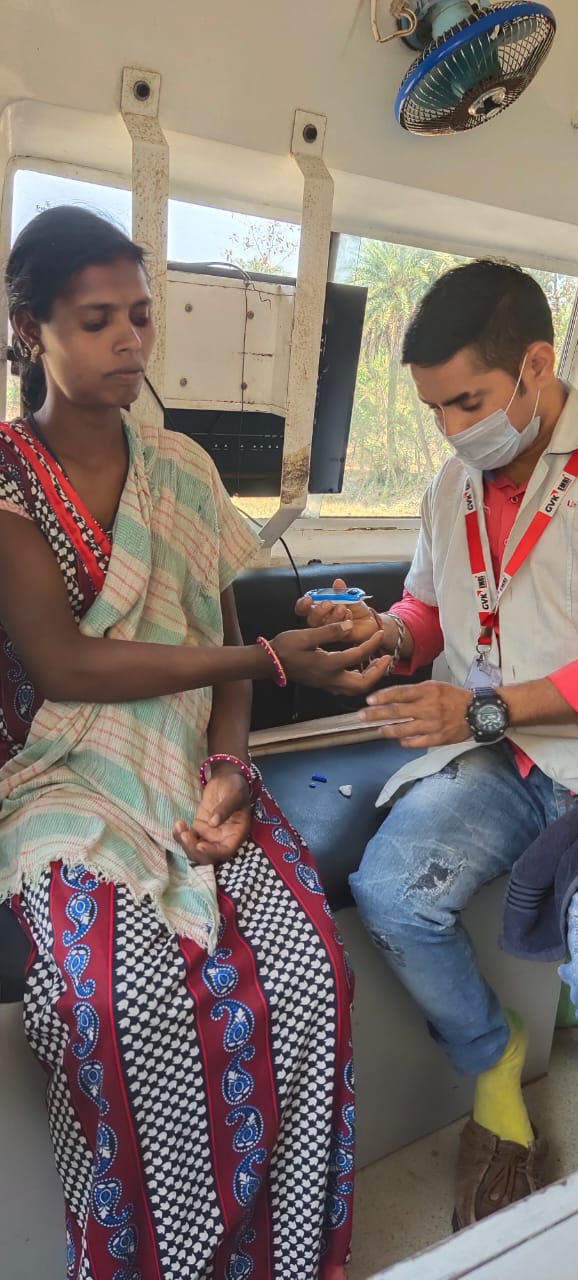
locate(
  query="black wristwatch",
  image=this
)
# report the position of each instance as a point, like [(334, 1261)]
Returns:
[(487, 716)]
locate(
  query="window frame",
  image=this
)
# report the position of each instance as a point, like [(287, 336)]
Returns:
[(402, 530)]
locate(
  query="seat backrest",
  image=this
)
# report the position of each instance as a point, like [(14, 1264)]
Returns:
[(14, 951), (266, 605)]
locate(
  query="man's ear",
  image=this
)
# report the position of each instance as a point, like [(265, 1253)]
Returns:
[(541, 360)]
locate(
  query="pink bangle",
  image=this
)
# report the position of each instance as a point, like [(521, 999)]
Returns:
[(249, 771), (223, 758), (280, 677)]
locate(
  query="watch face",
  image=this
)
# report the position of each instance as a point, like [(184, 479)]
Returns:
[(487, 716), (490, 718)]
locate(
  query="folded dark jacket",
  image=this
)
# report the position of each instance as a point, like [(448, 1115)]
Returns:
[(542, 884)]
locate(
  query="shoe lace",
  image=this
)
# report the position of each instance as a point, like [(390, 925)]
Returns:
[(502, 1174)]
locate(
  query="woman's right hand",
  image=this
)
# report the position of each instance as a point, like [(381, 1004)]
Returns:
[(319, 615), (306, 663)]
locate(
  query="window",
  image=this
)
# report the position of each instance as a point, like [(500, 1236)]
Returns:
[(195, 233), (394, 446)]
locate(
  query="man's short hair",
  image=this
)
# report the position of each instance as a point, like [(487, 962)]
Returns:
[(494, 308)]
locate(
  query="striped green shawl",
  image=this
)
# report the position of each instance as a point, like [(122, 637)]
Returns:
[(103, 784)]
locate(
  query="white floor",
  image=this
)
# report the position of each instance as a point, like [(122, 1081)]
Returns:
[(404, 1204)]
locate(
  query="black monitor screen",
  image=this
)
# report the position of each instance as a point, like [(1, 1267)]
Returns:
[(247, 447)]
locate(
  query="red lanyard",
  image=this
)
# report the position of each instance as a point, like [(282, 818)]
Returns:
[(487, 614)]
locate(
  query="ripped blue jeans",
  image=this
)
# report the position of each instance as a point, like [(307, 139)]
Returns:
[(445, 838)]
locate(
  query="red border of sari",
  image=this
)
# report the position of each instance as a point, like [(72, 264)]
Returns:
[(47, 475)]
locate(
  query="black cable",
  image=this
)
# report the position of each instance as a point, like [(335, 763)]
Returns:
[(286, 550), (300, 591), (232, 267), (156, 395), (295, 688), (293, 566)]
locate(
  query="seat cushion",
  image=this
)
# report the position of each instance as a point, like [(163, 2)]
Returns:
[(336, 829)]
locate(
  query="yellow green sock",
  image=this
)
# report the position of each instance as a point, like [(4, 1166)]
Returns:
[(498, 1103)]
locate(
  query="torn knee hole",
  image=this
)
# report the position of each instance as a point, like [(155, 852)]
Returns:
[(436, 879), (393, 950)]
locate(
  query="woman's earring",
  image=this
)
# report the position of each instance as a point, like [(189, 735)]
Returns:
[(35, 353)]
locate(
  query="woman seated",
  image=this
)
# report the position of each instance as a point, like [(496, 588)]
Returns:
[(186, 993)]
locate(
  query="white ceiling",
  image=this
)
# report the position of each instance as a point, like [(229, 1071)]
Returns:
[(233, 73)]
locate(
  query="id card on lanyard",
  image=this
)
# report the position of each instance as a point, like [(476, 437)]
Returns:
[(483, 673)]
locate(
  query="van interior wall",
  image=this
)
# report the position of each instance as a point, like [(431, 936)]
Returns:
[(232, 77)]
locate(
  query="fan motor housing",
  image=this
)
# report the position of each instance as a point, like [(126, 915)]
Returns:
[(442, 13), (471, 70)]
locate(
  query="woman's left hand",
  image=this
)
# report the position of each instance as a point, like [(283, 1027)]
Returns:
[(222, 821)]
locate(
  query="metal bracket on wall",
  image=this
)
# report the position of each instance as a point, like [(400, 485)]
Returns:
[(5, 242), (307, 150), (139, 104)]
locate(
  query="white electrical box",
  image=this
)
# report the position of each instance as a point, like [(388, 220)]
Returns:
[(228, 343)]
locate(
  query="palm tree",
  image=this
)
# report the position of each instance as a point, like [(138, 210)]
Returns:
[(387, 411), (397, 277)]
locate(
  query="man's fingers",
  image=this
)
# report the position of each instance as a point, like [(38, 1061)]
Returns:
[(319, 615), (400, 730), (392, 711), (329, 612), (397, 693)]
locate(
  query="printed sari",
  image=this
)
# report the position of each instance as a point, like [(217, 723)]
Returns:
[(200, 1090)]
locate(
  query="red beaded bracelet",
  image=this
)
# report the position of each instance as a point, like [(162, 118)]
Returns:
[(280, 677)]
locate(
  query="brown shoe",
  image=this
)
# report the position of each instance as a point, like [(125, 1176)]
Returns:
[(493, 1174)]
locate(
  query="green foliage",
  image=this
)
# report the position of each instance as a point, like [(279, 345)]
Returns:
[(12, 398), (265, 246), (394, 446)]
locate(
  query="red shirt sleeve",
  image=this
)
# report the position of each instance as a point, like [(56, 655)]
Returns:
[(566, 681), (423, 623)]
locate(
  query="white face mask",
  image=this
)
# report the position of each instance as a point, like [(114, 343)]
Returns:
[(494, 442)]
